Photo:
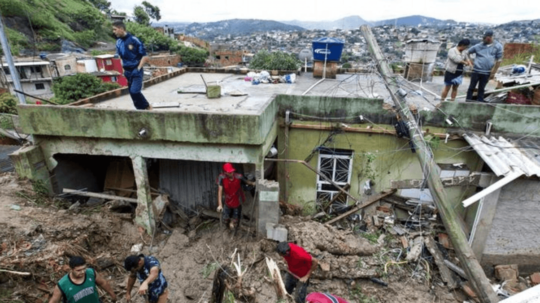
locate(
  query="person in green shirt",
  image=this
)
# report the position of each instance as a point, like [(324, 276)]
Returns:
[(79, 285)]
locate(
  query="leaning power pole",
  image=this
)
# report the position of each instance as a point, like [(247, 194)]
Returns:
[(11, 65), (431, 171)]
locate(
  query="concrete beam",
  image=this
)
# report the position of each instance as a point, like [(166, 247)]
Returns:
[(156, 150), (144, 214), (474, 179), (69, 121), (30, 163)]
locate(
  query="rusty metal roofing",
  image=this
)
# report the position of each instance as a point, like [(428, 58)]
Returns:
[(507, 156)]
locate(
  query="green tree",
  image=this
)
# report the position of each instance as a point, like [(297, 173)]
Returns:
[(346, 65), (141, 16), (151, 38), (72, 88), (192, 55), (153, 11), (102, 5), (8, 104), (274, 61)]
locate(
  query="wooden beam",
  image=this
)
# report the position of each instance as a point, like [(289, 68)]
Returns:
[(363, 205), (346, 187), (96, 195), (446, 275), (475, 273)]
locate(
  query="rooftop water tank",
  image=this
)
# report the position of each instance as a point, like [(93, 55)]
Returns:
[(328, 49)]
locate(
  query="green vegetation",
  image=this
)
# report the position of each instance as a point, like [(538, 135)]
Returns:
[(192, 55), (357, 294), (209, 269), (274, 61), (523, 58), (54, 20), (72, 88), (8, 104), (150, 37), (372, 238), (346, 65)]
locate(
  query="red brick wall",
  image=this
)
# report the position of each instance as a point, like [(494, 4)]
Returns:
[(165, 60), (513, 49), (196, 41), (228, 57)]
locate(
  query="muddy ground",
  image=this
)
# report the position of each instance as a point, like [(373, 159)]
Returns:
[(38, 234)]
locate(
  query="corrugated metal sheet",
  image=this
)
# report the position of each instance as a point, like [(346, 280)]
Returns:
[(5, 163), (504, 157), (190, 183)]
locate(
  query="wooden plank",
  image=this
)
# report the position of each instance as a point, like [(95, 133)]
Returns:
[(446, 275), (346, 187), (96, 195), (359, 207)]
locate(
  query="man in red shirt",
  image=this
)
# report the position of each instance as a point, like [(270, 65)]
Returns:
[(319, 297), (300, 266), (231, 183)]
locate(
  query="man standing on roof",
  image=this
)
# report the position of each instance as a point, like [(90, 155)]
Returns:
[(79, 285), (148, 271), (300, 266), (231, 183), (489, 54), (133, 55)]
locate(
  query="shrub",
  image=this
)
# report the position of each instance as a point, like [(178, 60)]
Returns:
[(8, 104), (72, 88), (274, 61)]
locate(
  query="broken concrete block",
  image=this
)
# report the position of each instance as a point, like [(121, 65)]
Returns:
[(136, 249), (276, 232), (535, 279), (507, 272), (324, 266), (213, 91), (416, 249)]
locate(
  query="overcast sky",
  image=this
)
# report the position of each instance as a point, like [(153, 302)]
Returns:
[(484, 11)]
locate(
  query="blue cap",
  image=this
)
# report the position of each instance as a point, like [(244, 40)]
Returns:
[(488, 33)]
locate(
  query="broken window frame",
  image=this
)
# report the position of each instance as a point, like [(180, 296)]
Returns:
[(336, 155)]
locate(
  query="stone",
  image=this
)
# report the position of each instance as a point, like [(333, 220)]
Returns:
[(507, 272), (535, 279)]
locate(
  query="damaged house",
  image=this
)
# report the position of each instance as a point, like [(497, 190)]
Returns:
[(322, 145)]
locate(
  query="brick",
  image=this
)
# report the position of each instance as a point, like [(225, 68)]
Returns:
[(535, 279), (445, 241), (468, 290), (506, 272)]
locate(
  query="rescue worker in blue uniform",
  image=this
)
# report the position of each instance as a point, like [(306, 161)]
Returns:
[(133, 55)]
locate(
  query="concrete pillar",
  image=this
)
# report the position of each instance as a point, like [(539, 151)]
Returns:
[(144, 214), (267, 205), (485, 213), (30, 163)]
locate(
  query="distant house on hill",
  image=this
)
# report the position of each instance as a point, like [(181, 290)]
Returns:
[(36, 76)]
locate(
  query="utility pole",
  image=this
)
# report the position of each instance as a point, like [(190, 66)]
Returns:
[(470, 264), (11, 65)]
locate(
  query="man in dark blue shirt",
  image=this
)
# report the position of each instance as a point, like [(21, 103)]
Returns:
[(148, 271), (489, 54), (133, 55)]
